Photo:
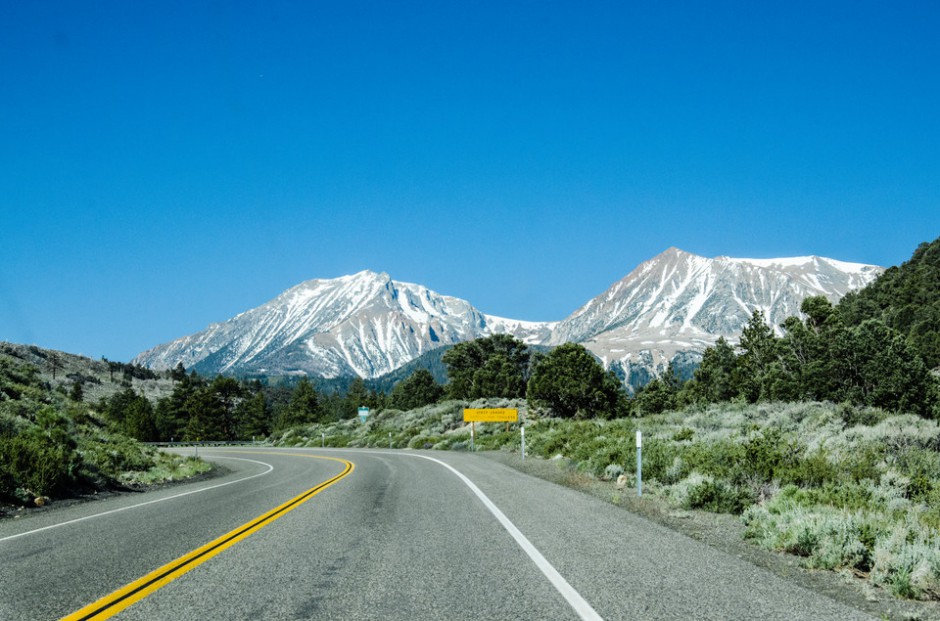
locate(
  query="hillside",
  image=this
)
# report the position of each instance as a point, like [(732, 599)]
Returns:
[(907, 299), (54, 444), (99, 378)]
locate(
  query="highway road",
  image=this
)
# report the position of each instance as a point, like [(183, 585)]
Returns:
[(348, 534)]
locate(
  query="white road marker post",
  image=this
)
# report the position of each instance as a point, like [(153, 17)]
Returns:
[(322, 439), (522, 431), (639, 462), (389, 439)]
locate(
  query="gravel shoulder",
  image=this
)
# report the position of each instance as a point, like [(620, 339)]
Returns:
[(726, 533)]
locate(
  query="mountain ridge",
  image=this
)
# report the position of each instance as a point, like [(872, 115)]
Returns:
[(364, 324), (673, 306), (367, 324)]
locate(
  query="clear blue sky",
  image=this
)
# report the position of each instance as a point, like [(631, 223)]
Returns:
[(166, 165)]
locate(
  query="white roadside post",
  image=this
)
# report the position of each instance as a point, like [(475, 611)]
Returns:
[(639, 462), (322, 439), (522, 431)]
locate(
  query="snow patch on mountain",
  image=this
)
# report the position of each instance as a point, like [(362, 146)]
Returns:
[(365, 324), (668, 309), (678, 302)]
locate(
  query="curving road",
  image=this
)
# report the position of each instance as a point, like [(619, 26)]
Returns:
[(401, 535)]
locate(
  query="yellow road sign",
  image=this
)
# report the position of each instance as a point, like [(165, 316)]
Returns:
[(490, 415)]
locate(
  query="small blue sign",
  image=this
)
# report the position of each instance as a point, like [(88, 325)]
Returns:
[(363, 414)]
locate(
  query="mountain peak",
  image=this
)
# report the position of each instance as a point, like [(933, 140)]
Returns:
[(673, 251), (680, 301), (367, 324), (363, 324)]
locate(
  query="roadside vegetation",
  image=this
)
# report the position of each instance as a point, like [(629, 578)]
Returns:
[(848, 488), (53, 445)]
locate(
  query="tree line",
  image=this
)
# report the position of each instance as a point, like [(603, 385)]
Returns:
[(226, 408), (876, 348)]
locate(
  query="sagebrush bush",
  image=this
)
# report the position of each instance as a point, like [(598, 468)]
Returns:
[(829, 538), (907, 561)]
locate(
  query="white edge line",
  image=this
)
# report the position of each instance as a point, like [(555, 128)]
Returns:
[(574, 599), (148, 502)]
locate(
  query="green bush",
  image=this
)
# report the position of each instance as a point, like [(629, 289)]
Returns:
[(827, 537), (37, 464), (716, 496)]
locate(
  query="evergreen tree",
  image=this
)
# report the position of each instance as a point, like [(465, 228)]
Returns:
[(496, 366), (758, 345), (714, 381), (55, 363), (227, 393), (573, 384), (172, 413), (77, 393), (418, 390), (356, 396), (304, 407), (907, 300), (462, 361), (876, 366), (132, 414), (178, 374), (253, 415), (206, 416), (656, 397)]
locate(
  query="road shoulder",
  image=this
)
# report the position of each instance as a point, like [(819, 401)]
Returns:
[(726, 533)]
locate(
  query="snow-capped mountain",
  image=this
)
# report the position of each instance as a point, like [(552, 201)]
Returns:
[(676, 304), (365, 324), (669, 308)]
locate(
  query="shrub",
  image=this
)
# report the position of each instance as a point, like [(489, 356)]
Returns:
[(718, 497), (907, 562), (37, 464), (612, 471), (829, 538)]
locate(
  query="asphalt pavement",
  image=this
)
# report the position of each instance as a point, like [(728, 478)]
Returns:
[(404, 535)]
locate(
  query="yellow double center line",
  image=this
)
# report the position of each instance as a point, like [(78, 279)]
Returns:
[(117, 601)]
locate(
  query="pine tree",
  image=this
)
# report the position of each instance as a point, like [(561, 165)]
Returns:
[(758, 351), (253, 417), (304, 407), (573, 384), (496, 366), (714, 381), (356, 396), (416, 391)]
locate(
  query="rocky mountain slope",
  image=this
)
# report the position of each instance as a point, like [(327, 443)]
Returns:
[(673, 306), (366, 324), (668, 309)]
